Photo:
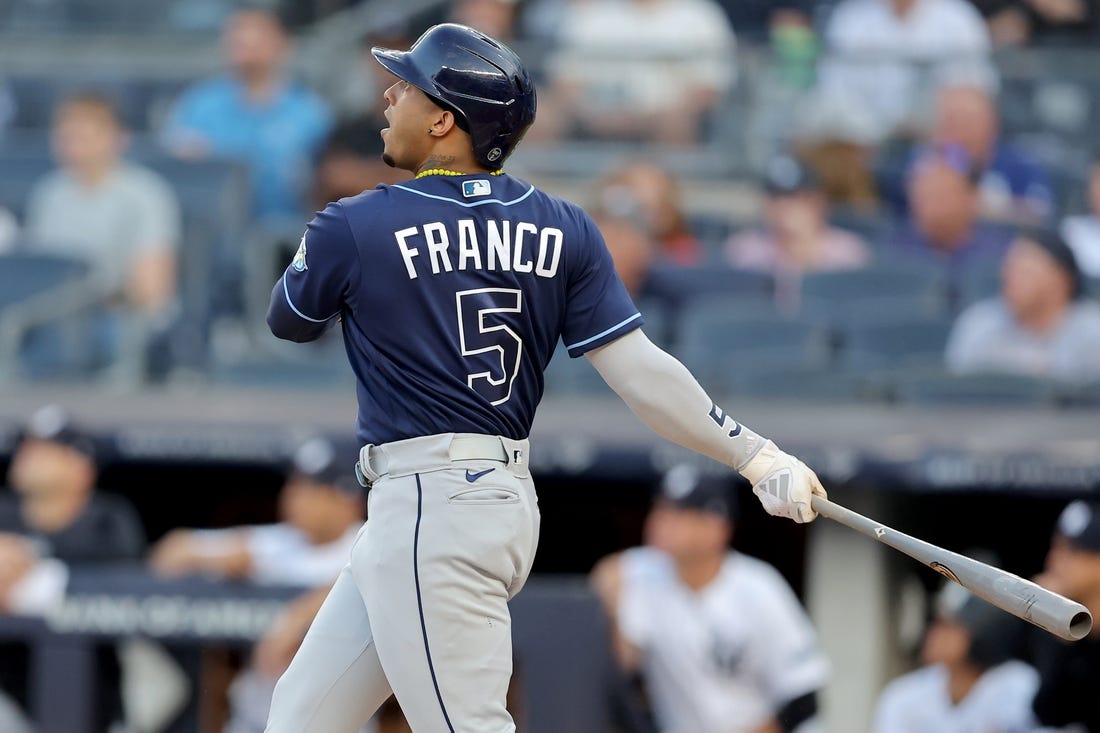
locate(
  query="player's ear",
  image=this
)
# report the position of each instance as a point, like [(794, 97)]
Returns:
[(442, 123)]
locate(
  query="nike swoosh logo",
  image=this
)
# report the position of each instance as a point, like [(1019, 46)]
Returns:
[(471, 477)]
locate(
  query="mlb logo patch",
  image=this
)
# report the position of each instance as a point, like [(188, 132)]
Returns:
[(477, 187)]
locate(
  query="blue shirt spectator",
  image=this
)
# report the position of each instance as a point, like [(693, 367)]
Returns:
[(1012, 186), (945, 225), (255, 114)]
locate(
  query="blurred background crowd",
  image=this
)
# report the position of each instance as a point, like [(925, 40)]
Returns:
[(870, 202), (901, 194)]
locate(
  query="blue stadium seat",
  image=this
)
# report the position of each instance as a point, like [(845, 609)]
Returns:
[(873, 294), (716, 344), (679, 285), (801, 383), (942, 389), (25, 275), (905, 342)]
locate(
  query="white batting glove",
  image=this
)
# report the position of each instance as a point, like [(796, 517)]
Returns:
[(783, 484)]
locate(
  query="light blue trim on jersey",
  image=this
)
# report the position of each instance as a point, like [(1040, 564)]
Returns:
[(467, 204), (300, 314), (598, 336)]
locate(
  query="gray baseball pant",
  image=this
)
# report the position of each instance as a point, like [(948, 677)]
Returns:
[(421, 609)]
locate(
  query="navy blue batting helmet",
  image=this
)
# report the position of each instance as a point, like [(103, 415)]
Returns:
[(479, 79)]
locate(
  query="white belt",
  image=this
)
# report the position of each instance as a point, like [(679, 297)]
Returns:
[(436, 452)]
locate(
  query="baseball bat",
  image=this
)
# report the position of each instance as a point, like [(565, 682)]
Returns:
[(1046, 609)]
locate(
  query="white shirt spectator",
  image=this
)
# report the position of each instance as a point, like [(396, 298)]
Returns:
[(133, 212), (280, 554), (645, 55), (725, 658), (888, 60), (986, 338), (1000, 702)]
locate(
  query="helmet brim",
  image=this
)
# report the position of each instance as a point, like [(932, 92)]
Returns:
[(401, 65)]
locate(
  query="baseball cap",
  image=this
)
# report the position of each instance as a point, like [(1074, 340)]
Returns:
[(785, 175), (1080, 524), (321, 460), (684, 486), (1051, 241), (54, 424)]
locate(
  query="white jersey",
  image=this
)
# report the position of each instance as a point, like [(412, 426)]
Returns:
[(723, 659), (1000, 702)]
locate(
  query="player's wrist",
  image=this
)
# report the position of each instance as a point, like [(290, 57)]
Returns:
[(761, 461)]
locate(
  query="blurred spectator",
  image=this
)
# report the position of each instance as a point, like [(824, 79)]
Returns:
[(1082, 232), (722, 642), (648, 192), (969, 681), (56, 517), (122, 218), (321, 508), (1012, 186), (56, 521), (945, 223), (1040, 325), (1069, 673), (496, 18), (886, 52), (837, 136), (634, 252), (643, 70), (1022, 22), (796, 236), (256, 114)]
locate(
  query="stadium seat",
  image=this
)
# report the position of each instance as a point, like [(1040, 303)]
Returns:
[(758, 378), (680, 285), (976, 283), (715, 345), (37, 289), (873, 294), (905, 342), (942, 389)]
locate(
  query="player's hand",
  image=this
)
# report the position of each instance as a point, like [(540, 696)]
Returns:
[(783, 484)]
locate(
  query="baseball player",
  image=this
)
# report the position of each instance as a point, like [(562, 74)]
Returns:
[(452, 290), (719, 638)]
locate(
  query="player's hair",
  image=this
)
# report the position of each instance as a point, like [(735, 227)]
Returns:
[(95, 101)]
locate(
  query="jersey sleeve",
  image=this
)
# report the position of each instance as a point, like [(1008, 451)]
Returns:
[(598, 307), (789, 659), (314, 288)]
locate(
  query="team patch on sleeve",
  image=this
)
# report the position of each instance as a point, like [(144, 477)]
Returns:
[(299, 261)]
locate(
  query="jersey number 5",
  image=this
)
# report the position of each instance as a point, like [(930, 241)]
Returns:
[(482, 331)]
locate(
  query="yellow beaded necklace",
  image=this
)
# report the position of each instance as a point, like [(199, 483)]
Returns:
[(445, 172)]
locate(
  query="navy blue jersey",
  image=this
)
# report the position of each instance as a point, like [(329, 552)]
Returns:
[(454, 292)]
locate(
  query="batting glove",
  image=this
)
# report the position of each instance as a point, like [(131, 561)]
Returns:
[(783, 484)]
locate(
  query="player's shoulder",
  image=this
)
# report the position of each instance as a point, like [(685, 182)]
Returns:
[(754, 571)]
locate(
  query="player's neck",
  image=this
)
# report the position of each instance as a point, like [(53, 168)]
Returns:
[(450, 164), (698, 573)]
